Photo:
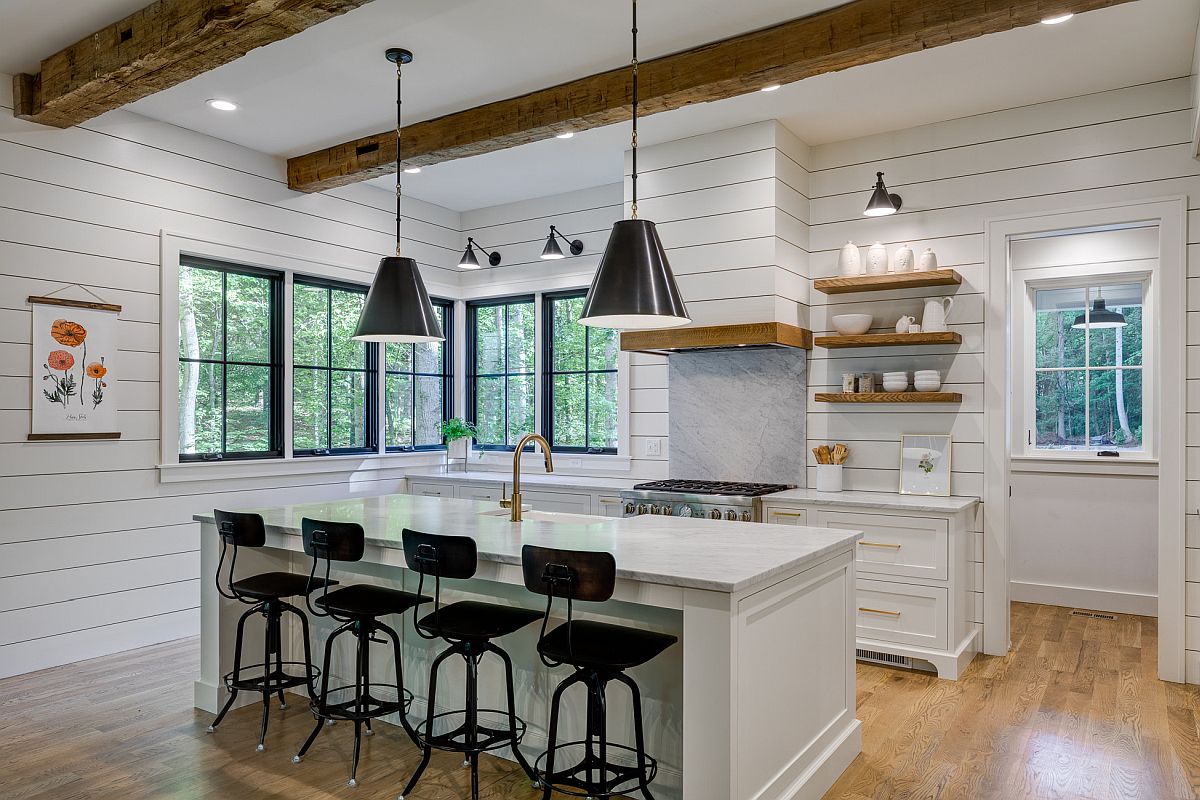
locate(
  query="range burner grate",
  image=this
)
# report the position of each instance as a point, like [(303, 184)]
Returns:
[(713, 487)]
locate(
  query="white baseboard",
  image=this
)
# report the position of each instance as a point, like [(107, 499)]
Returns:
[(1080, 597)]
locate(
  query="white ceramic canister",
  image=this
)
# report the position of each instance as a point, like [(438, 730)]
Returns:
[(903, 260), (849, 260), (928, 261), (877, 259), (829, 477)]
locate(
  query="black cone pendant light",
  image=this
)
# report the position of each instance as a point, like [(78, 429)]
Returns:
[(634, 286), (882, 201), (398, 307)]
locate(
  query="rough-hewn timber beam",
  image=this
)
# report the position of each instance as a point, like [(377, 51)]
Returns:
[(165, 43), (860, 32)]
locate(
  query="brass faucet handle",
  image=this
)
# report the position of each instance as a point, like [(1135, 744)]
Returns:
[(504, 501)]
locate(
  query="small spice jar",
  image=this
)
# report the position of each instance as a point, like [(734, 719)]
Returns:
[(866, 383), (848, 379)]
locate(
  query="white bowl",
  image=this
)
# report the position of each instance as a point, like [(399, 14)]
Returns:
[(895, 374), (898, 386), (852, 324), (922, 386), (931, 372)]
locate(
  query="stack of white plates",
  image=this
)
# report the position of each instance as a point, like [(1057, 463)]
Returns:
[(927, 380), (895, 381)]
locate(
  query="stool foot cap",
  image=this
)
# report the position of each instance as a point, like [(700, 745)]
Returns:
[(297, 759), (283, 706), (210, 729), (331, 722), (260, 748), (352, 783), (368, 732), (466, 762)]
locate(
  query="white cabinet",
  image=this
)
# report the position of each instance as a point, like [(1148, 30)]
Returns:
[(563, 502), (431, 488), (486, 492), (913, 582), (609, 505)]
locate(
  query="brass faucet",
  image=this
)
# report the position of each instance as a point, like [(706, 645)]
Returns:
[(514, 502)]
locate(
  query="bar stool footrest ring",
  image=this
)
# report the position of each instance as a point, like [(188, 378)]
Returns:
[(575, 780), (271, 678), (491, 735), (372, 707)]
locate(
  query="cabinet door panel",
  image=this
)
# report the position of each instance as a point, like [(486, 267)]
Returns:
[(902, 613), (912, 547)]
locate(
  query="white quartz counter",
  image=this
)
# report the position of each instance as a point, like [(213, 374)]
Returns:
[(874, 500), (673, 551), (529, 479)]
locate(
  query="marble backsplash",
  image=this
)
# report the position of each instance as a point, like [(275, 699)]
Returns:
[(738, 415)]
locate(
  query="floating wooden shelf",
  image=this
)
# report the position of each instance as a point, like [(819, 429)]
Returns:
[(665, 341), (889, 397), (893, 280), (889, 339)]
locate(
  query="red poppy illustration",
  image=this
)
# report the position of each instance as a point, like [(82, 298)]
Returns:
[(60, 360)]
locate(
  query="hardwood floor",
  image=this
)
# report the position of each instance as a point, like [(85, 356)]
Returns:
[(1074, 712)]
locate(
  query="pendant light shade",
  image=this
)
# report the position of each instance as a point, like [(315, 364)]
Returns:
[(552, 252), (882, 202), (398, 307), (1100, 317), (634, 287)]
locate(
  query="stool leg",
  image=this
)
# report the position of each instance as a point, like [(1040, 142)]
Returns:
[(512, 713), (602, 731), (552, 733), (278, 645), (237, 669), (638, 738), (312, 690), (403, 712), (361, 655), (322, 696), (429, 712), (472, 714), (266, 694), (366, 676)]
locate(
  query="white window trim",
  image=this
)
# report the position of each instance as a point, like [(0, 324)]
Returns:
[(1026, 283)]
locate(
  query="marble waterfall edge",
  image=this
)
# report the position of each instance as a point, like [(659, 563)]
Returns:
[(738, 415)]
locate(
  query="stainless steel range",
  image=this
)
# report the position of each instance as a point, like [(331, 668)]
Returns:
[(729, 500)]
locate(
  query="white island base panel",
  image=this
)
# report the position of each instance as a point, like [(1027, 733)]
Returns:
[(755, 702)]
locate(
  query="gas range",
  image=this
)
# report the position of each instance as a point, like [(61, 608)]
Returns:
[(730, 500)]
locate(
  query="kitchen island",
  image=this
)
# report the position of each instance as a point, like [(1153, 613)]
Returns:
[(755, 701)]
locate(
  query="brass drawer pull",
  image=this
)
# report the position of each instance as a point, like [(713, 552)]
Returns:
[(879, 611), (787, 513), (880, 544)]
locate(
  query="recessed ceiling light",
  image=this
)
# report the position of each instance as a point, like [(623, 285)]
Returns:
[(770, 88), (564, 135), (412, 170), (222, 105), (1056, 19)]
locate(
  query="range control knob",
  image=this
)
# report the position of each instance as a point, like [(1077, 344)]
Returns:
[(642, 509), (731, 514), (630, 508), (665, 510), (745, 516), (714, 514), (684, 511)]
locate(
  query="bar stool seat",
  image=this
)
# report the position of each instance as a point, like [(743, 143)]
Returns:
[(277, 585), (583, 643), (470, 620), (362, 600)]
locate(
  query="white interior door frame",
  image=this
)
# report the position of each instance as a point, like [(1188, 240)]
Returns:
[(1170, 215)]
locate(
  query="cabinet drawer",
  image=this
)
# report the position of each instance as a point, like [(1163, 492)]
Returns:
[(429, 489), (787, 516), (609, 506), (901, 613), (563, 502), (481, 492), (911, 547)]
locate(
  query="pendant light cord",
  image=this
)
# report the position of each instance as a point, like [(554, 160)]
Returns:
[(634, 143), (399, 171)]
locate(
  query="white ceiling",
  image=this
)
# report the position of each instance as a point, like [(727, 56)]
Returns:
[(331, 82)]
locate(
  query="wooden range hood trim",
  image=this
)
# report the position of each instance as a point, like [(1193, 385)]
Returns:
[(717, 337)]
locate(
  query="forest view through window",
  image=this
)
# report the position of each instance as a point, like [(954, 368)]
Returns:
[(501, 384), (1088, 389), (581, 379), (417, 381)]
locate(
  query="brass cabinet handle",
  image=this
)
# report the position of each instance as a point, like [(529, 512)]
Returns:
[(787, 513), (880, 544), (879, 611)]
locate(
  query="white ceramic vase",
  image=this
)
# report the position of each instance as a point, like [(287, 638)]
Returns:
[(829, 477), (928, 261), (849, 260), (903, 261), (877, 259)]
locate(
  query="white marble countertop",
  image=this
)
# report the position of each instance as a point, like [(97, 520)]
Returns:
[(673, 551), (887, 500), (542, 480)]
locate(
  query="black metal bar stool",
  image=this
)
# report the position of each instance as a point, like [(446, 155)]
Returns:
[(469, 628), (358, 607), (265, 594), (599, 653)]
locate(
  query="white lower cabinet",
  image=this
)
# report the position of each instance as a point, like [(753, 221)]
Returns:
[(609, 505), (565, 501), (912, 578), (431, 488)]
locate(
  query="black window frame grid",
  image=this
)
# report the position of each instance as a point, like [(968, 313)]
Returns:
[(371, 371), (275, 367), (447, 376), (472, 375), (549, 373)]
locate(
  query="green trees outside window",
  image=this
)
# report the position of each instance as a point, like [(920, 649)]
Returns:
[(230, 363), (333, 376), (580, 378), (501, 380), (1088, 390), (417, 382)]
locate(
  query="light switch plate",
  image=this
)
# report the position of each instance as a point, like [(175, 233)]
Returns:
[(654, 447)]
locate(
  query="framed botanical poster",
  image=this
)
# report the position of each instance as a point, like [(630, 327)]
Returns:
[(925, 464), (74, 369)]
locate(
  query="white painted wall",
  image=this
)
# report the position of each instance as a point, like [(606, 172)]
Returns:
[(96, 555)]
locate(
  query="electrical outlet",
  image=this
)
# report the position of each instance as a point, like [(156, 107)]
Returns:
[(653, 447), (574, 462)]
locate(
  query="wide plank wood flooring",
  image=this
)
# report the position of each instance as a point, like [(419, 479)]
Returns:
[(1074, 712)]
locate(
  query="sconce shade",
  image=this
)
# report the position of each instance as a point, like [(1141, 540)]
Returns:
[(634, 287), (882, 202), (468, 260), (398, 307), (552, 251)]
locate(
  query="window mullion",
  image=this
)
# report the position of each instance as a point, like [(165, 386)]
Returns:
[(224, 365)]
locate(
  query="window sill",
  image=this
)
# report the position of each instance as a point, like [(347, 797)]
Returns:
[(297, 465), (564, 463), (1067, 465)]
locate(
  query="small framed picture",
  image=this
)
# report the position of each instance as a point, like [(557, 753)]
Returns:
[(925, 464)]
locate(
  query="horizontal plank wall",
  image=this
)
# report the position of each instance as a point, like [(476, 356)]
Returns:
[(96, 555), (1123, 145)]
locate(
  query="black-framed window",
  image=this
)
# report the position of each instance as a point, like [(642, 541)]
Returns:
[(579, 382), (418, 383), (230, 362), (501, 372), (334, 408)]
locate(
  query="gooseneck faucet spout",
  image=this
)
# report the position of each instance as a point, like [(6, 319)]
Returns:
[(515, 500)]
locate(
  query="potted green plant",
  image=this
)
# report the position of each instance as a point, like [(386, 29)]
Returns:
[(456, 433)]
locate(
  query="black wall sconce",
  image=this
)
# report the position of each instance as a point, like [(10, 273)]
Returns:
[(552, 251), (882, 201), (469, 261)]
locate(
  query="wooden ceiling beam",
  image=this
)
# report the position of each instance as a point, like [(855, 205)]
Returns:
[(860, 32), (162, 45)]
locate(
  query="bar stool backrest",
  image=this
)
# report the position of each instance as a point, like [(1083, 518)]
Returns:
[(329, 541), (236, 530), (441, 556), (571, 574)]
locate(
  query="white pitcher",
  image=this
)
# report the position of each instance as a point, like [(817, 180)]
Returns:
[(903, 323), (936, 309)]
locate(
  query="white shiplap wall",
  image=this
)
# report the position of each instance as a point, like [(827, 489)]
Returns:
[(1124, 145), (96, 555)]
